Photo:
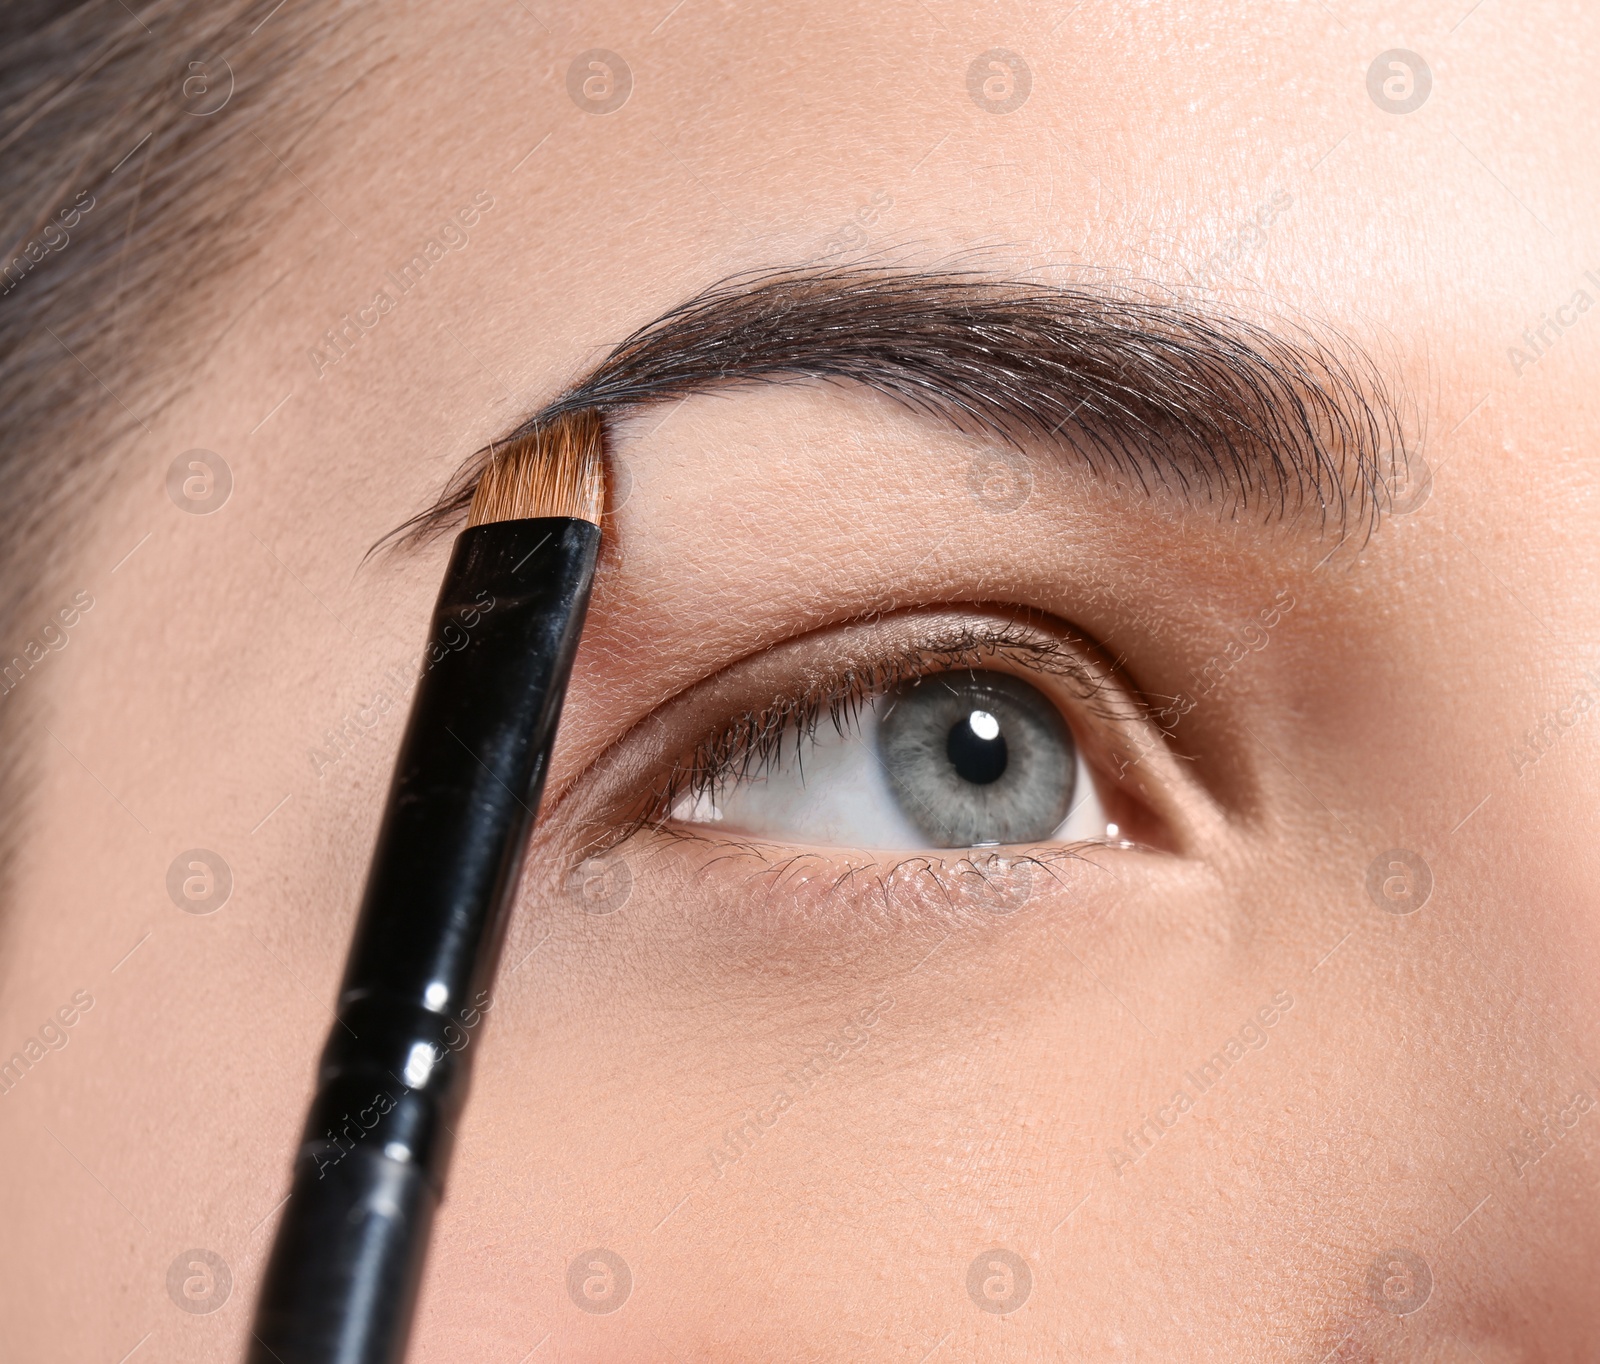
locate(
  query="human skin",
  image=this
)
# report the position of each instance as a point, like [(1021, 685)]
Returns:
[(1391, 1103)]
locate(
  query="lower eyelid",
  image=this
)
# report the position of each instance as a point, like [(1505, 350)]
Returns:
[(818, 900)]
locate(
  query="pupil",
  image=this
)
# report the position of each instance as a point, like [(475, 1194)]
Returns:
[(977, 749)]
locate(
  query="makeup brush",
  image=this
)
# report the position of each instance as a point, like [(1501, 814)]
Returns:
[(341, 1284)]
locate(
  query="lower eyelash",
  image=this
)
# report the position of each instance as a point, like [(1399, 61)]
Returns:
[(756, 741), (814, 892)]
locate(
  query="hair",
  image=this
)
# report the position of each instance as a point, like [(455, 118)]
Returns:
[(132, 175)]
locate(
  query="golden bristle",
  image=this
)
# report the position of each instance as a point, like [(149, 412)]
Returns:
[(555, 470)]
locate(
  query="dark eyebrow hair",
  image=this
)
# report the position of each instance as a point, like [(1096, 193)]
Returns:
[(1153, 389)]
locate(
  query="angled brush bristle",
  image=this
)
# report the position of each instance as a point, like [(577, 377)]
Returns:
[(555, 470)]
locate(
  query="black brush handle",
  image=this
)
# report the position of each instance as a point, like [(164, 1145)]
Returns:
[(341, 1284)]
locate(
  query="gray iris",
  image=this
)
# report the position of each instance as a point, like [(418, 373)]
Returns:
[(977, 757)]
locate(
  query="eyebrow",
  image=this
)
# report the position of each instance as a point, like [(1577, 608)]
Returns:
[(1155, 389)]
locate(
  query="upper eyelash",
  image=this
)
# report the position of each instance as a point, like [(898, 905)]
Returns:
[(752, 743)]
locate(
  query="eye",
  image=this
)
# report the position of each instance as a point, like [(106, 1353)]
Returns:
[(954, 759)]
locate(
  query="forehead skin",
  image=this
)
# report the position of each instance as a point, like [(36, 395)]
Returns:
[(1430, 1086)]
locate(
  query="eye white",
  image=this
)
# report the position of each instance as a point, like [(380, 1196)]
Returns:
[(832, 791)]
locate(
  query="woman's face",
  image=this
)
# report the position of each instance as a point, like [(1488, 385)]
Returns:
[(1300, 1062)]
